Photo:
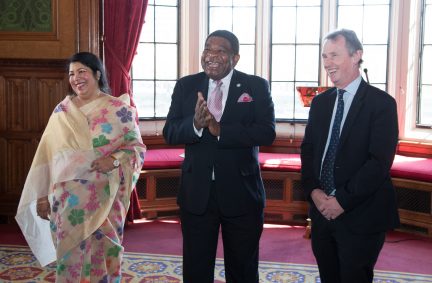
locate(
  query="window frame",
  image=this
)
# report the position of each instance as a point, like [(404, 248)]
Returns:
[(403, 57)]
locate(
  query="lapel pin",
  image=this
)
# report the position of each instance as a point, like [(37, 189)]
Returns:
[(238, 85)]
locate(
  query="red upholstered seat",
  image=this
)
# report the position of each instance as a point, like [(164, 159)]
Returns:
[(169, 158), (280, 161), (172, 158), (414, 168)]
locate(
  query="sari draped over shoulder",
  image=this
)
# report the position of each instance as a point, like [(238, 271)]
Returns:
[(88, 209)]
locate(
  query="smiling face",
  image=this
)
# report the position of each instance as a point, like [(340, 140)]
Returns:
[(83, 81), (218, 58), (342, 67)]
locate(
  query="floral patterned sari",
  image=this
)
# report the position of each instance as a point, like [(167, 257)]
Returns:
[(88, 209)]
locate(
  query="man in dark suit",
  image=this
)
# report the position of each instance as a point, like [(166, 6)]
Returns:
[(348, 149), (222, 116)]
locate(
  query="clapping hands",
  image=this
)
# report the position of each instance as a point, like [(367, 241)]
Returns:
[(203, 117)]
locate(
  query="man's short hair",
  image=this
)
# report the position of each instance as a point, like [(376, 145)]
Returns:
[(352, 42), (233, 40)]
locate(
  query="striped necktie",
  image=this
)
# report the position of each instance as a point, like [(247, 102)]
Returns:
[(327, 169), (215, 101)]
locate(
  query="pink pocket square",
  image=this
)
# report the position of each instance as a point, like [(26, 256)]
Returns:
[(245, 97)]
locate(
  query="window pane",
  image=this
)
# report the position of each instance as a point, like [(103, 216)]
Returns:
[(221, 3), (375, 60), (308, 24), (143, 64), (164, 90), (426, 105), (144, 97), (386, 2), (239, 17), (428, 24), (298, 25), (350, 17), (147, 31), (163, 2), (284, 25), (426, 72), (220, 18), (240, 3), (155, 65), (282, 3), (244, 29), (166, 24), (282, 94), (247, 59), (370, 21), (307, 63), (366, 2), (283, 63), (301, 112), (288, 104), (350, 2), (166, 55), (309, 2), (376, 31), (424, 110)]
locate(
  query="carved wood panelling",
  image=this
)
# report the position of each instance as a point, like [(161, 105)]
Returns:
[(76, 27), (29, 91), (32, 81)]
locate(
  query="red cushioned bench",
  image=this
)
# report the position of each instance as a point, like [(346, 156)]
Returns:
[(281, 174), (413, 168), (172, 158)]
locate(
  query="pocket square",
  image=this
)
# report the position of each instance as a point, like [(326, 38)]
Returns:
[(245, 97)]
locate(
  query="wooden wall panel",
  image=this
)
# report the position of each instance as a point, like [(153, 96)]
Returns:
[(88, 19), (19, 104), (32, 81), (57, 44), (76, 28), (29, 91), (19, 157)]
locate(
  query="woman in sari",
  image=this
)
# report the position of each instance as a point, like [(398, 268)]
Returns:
[(85, 167)]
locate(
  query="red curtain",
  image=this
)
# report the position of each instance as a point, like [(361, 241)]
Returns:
[(123, 21)]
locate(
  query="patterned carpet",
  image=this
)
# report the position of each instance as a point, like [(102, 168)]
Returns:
[(17, 264)]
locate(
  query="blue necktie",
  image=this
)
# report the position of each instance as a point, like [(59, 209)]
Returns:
[(327, 170)]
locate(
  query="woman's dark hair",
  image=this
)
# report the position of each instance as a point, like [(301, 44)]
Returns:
[(94, 63)]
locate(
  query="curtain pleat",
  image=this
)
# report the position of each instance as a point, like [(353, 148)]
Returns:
[(123, 21)]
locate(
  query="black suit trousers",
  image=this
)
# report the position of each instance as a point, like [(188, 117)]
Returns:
[(344, 256), (240, 237)]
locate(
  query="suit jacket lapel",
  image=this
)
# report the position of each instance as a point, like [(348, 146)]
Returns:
[(233, 92), (353, 111), (204, 86)]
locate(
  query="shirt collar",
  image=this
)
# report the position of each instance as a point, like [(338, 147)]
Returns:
[(226, 80), (353, 86)]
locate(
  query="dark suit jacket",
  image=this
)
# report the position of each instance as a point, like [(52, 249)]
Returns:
[(234, 157), (365, 154)]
